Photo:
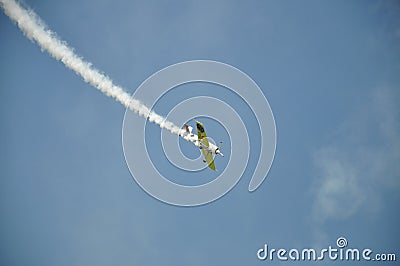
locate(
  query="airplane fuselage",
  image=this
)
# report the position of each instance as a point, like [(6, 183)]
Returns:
[(214, 149)]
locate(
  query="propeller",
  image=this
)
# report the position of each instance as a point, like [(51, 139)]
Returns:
[(218, 150)]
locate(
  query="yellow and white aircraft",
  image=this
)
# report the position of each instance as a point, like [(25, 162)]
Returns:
[(209, 149)]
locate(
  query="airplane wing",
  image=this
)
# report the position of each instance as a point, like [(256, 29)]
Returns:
[(208, 157)]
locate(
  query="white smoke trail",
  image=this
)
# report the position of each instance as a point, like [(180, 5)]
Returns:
[(36, 30)]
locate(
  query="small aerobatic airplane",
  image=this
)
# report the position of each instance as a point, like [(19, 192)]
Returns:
[(201, 141)]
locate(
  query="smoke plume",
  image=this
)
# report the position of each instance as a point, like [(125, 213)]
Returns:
[(37, 31)]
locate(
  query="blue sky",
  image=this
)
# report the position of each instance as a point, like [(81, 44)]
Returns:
[(330, 71)]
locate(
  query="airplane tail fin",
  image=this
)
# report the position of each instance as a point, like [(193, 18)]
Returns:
[(188, 128)]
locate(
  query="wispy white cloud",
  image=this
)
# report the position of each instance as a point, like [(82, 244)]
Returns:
[(362, 161)]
